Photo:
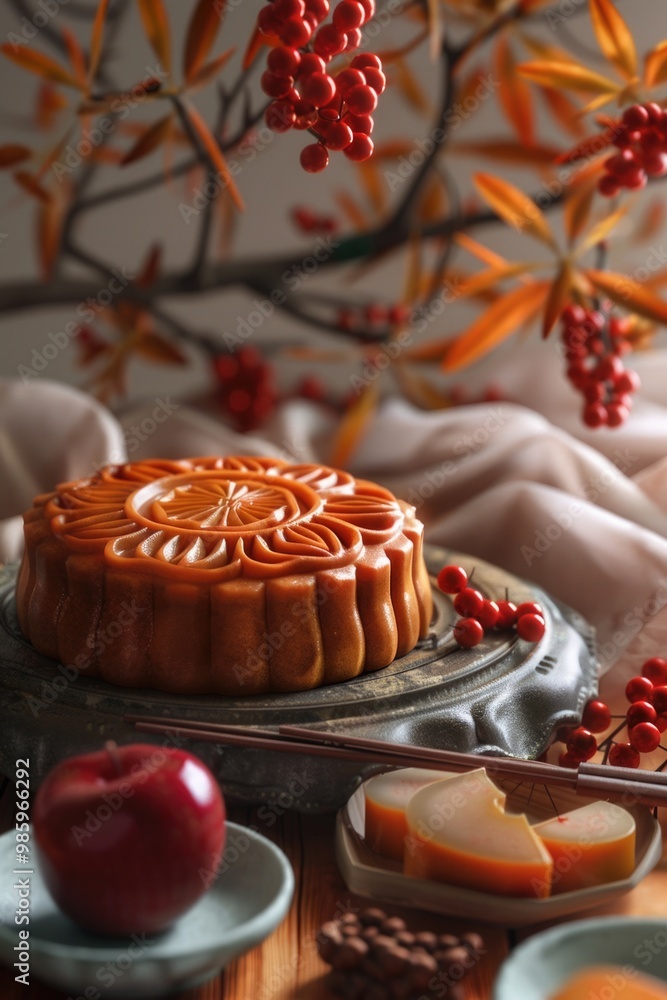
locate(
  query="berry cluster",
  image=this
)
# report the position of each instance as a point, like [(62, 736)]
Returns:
[(479, 614), (645, 720), (245, 387), (338, 109), (641, 140), (593, 345), (373, 314), (375, 957)]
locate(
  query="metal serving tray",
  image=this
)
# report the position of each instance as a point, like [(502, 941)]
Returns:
[(505, 696)]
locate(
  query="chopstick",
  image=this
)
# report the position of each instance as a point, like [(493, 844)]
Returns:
[(629, 785)]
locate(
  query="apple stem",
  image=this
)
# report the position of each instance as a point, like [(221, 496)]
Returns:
[(112, 749)]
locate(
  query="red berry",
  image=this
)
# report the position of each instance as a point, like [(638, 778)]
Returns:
[(314, 158), (627, 381), (661, 723), (581, 743), (531, 627), (361, 100), (489, 615), (645, 737), (468, 602), (336, 135), (398, 314), (659, 699), (329, 41), (376, 79), (655, 164), (276, 86), (529, 608), (656, 670), (360, 149), (367, 59), (624, 755), (452, 579), (375, 313), (267, 21), (280, 116), (348, 15), (295, 32), (353, 39), (318, 88), (608, 186), (617, 414), (369, 8), (468, 632), (656, 114), (594, 415), (360, 123), (639, 689), (597, 716), (635, 117), (506, 615), (284, 61), (318, 9), (573, 314), (636, 180), (311, 63), (610, 368), (348, 78), (568, 760), (640, 711)]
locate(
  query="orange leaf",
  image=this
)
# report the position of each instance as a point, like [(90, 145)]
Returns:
[(49, 102), (419, 390), (203, 28), (210, 70), (153, 347), (214, 153), (410, 88), (13, 153), (601, 230), (348, 206), (50, 217), (374, 186), (353, 424), (563, 110), (508, 151), (500, 320), (479, 251), (614, 37), (655, 65), (578, 205), (559, 296), (150, 268), (37, 62), (572, 76), (31, 185), (514, 92), (257, 41), (480, 282), (153, 137), (434, 28), (76, 56), (629, 293), (156, 26), (592, 145), (515, 207), (96, 38), (392, 149)]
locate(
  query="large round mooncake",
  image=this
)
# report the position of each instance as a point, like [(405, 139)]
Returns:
[(231, 576)]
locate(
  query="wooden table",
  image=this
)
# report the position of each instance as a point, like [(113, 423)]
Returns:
[(287, 966)]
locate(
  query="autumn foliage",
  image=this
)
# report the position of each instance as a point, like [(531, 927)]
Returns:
[(607, 113)]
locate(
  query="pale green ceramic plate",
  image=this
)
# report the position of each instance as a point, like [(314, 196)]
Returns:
[(246, 903), (537, 968)]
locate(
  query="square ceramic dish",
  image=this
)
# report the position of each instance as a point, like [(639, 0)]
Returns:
[(380, 878)]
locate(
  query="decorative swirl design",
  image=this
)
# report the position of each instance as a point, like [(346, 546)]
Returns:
[(217, 518)]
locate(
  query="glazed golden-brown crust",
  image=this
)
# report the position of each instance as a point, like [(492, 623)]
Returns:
[(233, 575)]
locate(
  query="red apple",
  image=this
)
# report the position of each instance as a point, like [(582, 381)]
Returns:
[(127, 837)]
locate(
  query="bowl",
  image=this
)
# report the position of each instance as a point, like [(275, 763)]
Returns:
[(248, 900), (539, 966)]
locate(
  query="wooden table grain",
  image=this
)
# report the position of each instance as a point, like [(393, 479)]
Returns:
[(286, 966)]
